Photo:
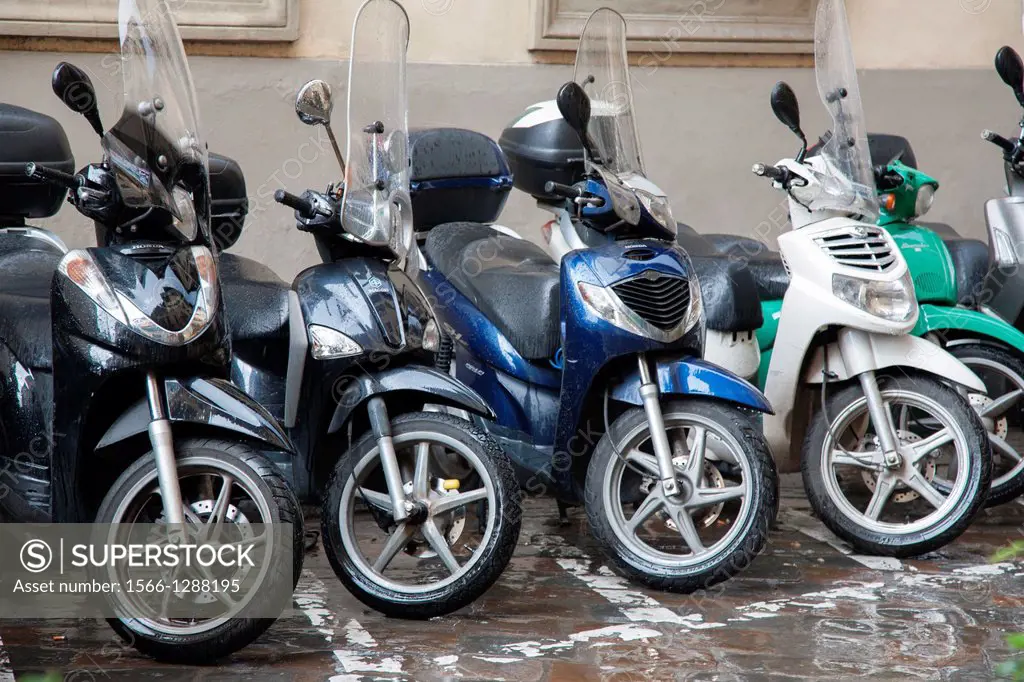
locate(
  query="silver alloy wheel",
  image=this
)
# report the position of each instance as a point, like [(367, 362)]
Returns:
[(993, 409), (440, 508), (908, 477), (704, 441), (235, 482)]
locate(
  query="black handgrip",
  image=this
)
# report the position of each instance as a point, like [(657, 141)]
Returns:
[(774, 172), (558, 189), (998, 140), (298, 203), (52, 176)]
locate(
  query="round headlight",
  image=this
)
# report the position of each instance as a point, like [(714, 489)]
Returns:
[(925, 197)]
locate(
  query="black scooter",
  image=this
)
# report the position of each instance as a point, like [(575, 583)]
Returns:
[(116, 404), (342, 358)]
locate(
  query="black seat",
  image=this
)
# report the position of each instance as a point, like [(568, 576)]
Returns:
[(255, 299), (26, 276), (765, 265), (727, 286), (512, 281), (971, 262)]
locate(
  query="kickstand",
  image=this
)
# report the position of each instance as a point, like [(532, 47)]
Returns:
[(563, 513)]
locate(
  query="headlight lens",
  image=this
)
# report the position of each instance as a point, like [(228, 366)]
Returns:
[(79, 267), (893, 300), (185, 222), (659, 209), (925, 198), (606, 306), (693, 317), (328, 344)]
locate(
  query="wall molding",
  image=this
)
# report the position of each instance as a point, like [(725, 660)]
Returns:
[(245, 20), (665, 27)]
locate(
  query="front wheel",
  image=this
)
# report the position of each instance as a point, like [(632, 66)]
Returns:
[(718, 522), (922, 498), (227, 488), (459, 536)]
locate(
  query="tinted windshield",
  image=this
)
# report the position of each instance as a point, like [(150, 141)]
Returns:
[(851, 183), (155, 146), (603, 70), (376, 207)]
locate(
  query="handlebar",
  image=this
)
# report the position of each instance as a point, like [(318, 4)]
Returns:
[(998, 140), (300, 204), (565, 191), (780, 175), (52, 176)]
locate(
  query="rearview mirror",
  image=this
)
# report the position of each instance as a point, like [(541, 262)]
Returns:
[(74, 87), (313, 105), (786, 107), (1011, 70), (787, 110), (574, 105)]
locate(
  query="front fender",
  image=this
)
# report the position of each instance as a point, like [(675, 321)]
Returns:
[(882, 352), (211, 402), (433, 386), (694, 377), (937, 319)]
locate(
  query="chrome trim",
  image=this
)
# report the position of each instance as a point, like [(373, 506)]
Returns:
[(640, 326), (298, 345), (38, 233)]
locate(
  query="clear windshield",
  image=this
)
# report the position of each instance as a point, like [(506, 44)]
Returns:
[(158, 156), (376, 207), (850, 186), (603, 70)]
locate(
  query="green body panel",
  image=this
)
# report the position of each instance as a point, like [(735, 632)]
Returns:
[(929, 262), (771, 310), (905, 208), (934, 318), (762, 369)]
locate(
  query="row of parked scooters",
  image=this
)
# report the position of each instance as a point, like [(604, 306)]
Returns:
[(435, 364)]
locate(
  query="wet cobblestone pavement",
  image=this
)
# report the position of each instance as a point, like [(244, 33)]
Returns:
[(807, 609)]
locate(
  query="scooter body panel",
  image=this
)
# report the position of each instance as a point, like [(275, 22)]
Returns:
[(929, 262)]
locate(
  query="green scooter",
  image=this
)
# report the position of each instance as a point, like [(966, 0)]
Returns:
[(949, 273)]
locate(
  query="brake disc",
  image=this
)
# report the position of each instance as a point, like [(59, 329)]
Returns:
[(902, 494), (980, 401), (451, 524)]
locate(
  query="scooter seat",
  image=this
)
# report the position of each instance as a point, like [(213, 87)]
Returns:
[(727, 287), (26, 277), (765, 265), (512, 281), (255, 299), (971, 262)]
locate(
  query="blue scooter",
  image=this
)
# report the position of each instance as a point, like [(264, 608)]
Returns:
[(594, 368)]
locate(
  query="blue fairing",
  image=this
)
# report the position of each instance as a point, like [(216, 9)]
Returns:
[(694, 377)]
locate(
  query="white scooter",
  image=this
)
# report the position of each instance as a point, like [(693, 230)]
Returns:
[(894, 459)]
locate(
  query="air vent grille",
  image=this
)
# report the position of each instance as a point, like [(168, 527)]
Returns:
[(866, 248), (661, 300)]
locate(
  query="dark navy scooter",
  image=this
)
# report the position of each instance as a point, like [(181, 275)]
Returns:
[(593, 366), (420, 511)]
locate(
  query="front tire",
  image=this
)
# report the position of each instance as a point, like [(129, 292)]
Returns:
[(423, 567), (896, 510), (708, 533), (258, 493)]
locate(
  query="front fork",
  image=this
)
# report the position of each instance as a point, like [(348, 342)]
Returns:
[(650, 394), (885, 429), (163, 450), (380, 425)]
